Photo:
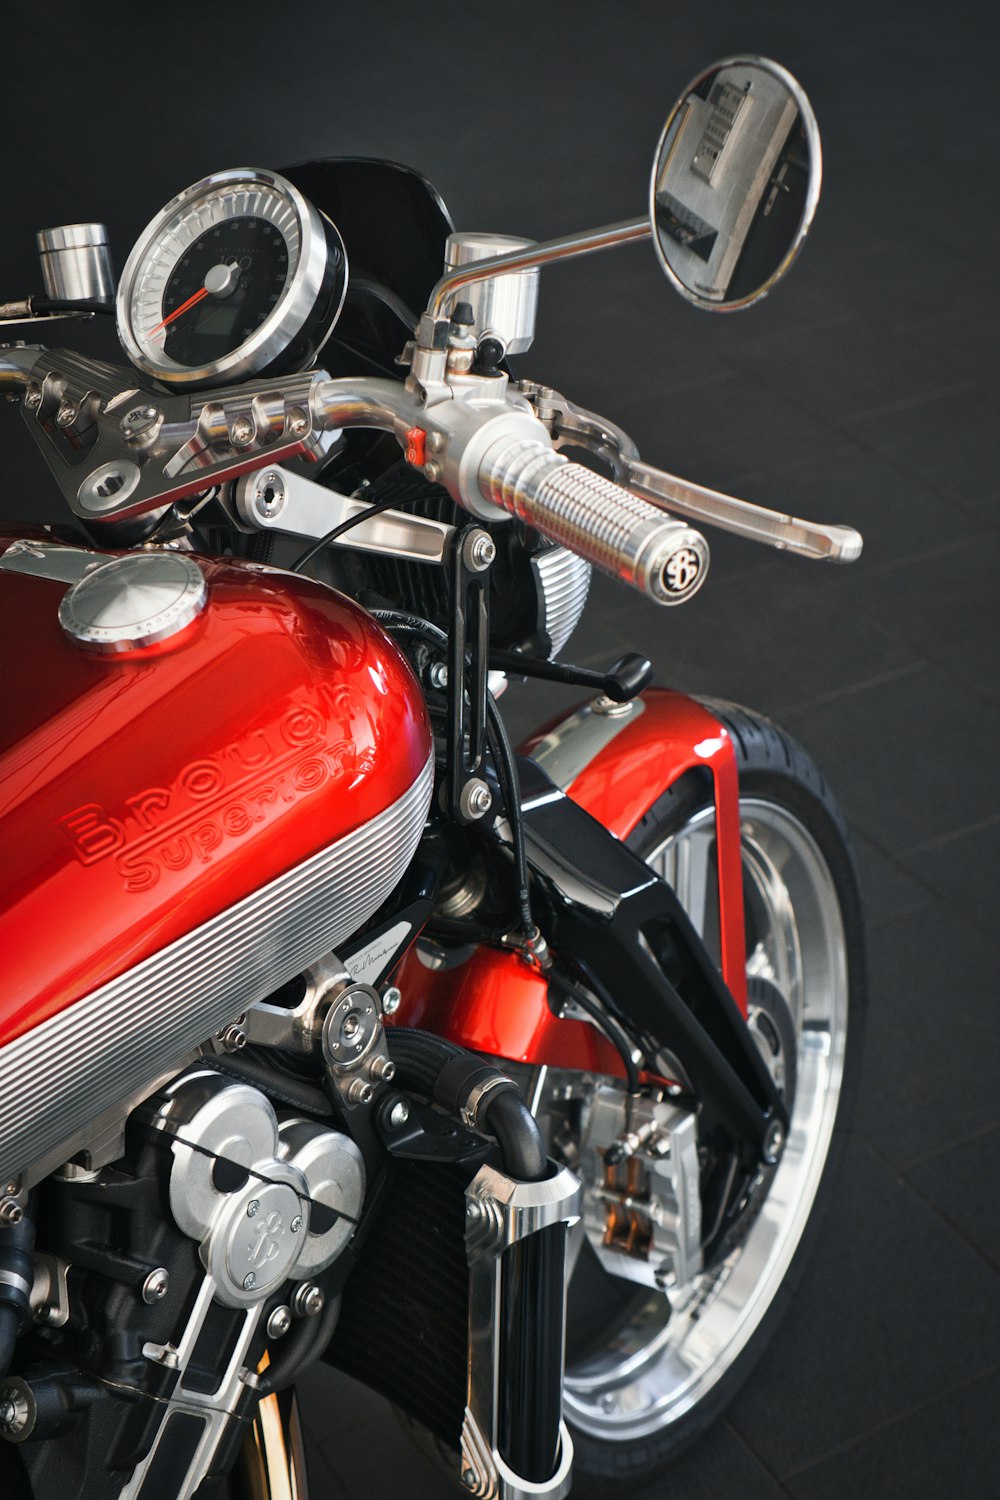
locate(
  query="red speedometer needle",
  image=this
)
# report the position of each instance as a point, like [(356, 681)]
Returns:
[(201, 292)]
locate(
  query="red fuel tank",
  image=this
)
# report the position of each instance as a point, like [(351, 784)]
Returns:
[(271, 758)]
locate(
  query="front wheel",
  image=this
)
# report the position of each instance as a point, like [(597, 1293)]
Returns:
[(655, 1372)]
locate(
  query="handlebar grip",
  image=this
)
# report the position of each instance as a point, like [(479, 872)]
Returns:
[(618, 532)]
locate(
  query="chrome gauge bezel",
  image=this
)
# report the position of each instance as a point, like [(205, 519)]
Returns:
[(310, 240)]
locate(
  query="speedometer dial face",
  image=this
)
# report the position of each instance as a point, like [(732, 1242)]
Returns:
[(237, 276)]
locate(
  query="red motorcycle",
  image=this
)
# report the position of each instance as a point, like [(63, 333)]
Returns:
[(331, 1026)]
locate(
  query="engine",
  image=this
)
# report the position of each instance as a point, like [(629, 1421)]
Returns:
[(174, 1322)]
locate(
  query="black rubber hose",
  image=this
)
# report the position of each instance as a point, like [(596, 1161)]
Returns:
[(17, 1243), (303, 1346), (438, 1070), (612, 1030), (285, 1090), (66, 304), (10, 1322), (506, 1116)]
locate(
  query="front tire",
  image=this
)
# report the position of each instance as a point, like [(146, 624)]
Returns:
[(656, 1379)]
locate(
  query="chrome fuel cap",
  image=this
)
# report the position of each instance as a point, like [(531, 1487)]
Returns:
[(133, 601)]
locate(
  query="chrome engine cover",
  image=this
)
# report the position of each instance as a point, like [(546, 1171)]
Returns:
[(301, 1194)]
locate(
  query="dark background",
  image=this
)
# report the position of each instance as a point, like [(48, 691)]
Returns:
[(863, 390)]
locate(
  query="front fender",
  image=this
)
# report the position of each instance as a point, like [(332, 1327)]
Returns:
[(617, 763)]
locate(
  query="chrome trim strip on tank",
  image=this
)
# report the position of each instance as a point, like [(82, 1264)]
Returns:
[(122, 1037), (51, 560)]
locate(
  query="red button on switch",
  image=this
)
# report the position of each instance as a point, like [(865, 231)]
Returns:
[(416, 447)]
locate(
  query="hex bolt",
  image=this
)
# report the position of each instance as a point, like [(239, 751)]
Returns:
[(351, 1023), (359, 1091), (16, 1414), (399, 1114), (156, 1285), (480, 550), (66, 415), (279, 1322), (469, 1478), (298, 422), (11, 1212), (33, 397), (253, 1208), (392, 999), (234, 1037), (476, 799), (432, 470), (383, 1069), (435, 442), (774, 1142), (473, 1211), (241, 431), (308, 1300), (437, 674), (269, 495), (249, 1281), (296, 1224)]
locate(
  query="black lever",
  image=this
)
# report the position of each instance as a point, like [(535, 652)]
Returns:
[(622, 681)]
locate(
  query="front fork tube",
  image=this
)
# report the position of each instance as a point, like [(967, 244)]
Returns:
[(514, 1442)]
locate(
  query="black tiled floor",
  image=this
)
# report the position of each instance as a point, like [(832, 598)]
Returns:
[(949, 1446), (913, 1333), (863, 390), (962, 869), (950, 442), (927, 746), (961, 1184), (931, 1052)]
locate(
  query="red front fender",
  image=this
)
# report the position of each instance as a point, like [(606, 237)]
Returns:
[(616, 766)]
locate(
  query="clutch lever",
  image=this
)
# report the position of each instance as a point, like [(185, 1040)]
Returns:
[(573, 426)]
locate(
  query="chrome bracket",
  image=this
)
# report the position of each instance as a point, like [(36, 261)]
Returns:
[(275, 499), (336, 1018)]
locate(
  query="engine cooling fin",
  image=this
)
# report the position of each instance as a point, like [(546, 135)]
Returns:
[(537, 593)]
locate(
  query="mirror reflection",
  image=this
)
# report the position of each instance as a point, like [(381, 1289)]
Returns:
[(735, 182)]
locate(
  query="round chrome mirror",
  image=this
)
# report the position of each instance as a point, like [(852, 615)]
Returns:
[(735, 182)]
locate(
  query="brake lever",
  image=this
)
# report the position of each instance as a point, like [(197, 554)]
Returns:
[(570, 425), (840, 544)]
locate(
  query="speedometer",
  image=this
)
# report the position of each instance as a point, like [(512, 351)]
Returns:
[(239, 275)]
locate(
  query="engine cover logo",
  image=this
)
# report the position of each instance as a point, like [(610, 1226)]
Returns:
[(264, 1245)]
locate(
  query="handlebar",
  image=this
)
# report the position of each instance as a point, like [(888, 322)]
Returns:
[(118, 450)]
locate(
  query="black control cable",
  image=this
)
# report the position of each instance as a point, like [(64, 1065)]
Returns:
[(615, 1033), (503, 758)]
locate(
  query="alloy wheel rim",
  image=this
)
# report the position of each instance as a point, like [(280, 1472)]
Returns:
[(661, 1363)]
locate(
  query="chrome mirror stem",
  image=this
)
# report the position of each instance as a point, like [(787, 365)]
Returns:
[(541, 254)]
